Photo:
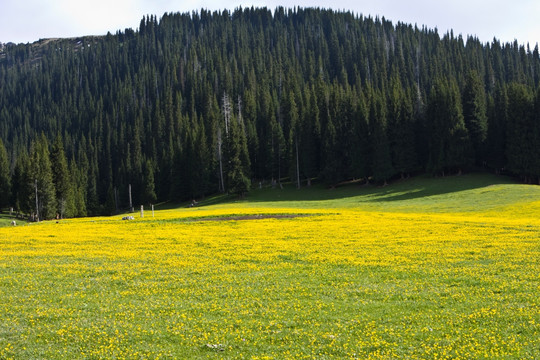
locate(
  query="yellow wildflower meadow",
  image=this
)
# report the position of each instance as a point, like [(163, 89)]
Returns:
[(238, 281)]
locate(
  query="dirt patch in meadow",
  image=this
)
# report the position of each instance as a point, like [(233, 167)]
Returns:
[(254, 217)]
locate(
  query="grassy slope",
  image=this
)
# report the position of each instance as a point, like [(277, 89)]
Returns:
[(424, 268), (456, 194)]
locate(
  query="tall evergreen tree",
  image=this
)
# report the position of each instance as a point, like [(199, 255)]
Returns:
[(237, 181), (449, 149), (62, 180), (380, 146), (149, 195), (5, 178), (360, 144), (497, 119), (475, 114), (23, 185), (401, 130), (78, 179), (520, 130), (41, 172)]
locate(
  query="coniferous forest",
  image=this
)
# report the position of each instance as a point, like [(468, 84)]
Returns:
[(205, 102)]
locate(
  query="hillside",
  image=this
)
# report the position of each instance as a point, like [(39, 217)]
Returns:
[(195, 104)]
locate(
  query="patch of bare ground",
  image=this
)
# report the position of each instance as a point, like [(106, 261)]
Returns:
[(253, 217)]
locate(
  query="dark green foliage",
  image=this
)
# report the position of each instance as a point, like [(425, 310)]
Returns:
[(312, 92), (359, 140), (149, 195), (448, 145), (40, 172), (78, 180), (401, 130), (22, 189), (380, 146), (474, 114), (237, 181), (497, 120), (62, 180), (521, 143), (5, 178)]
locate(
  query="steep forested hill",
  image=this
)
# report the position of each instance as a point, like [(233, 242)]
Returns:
[(192, 104)]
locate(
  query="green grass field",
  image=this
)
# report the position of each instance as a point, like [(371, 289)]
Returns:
[(424, 268)]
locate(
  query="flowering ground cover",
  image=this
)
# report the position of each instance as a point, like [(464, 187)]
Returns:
[(382, 273)]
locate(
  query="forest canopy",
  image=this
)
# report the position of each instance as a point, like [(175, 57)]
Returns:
[(196, 103)]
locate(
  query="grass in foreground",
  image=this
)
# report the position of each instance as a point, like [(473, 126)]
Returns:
[(364, 277)]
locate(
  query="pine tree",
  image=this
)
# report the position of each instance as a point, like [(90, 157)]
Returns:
[(401, 130), (496, 139), (62, 180), (237, 181), (474, 114), (41, 173), (381, 160), (5, 178), (310, 138), (78, 179), (329, 170), (360, 141), (520, 131), (149, 196), (23, 185), (535, 171), (292, 138), (448, 145)]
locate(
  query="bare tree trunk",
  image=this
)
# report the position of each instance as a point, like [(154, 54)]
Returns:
[(297, 166), (221, 182), (130, 201), (37, 203)]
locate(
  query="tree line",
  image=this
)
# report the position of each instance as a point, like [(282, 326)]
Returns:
[(196, 103)]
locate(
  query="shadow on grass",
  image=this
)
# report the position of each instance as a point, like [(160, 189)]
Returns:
[(207, 201), (6, 219), (400, 190)]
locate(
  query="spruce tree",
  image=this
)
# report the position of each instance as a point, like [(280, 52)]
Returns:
[(401, 130), (474, 114), (310, 137), (5, 178), (380, 147), (497, 119), (62, 180), (23, 185), (41, 173), (237, 181), (360, 141), (459, 151), (78, 179), (149, 195), (448, 144), (520, 130)]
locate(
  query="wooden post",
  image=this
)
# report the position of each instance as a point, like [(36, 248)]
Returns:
[(152, 210), (10, 211), (142, 211)]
